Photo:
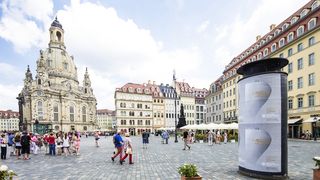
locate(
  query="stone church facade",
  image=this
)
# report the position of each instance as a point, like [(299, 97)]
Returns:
[(54, 100)]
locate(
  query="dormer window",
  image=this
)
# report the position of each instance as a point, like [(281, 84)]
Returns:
[(269, 38), (300, 31), (294, 20), (138, 90), (285, 26), (304, 12), (276, 32), (312, 23), (314, 5), (130, 89)]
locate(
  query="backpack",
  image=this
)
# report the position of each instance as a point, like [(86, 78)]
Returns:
[(25, 141)]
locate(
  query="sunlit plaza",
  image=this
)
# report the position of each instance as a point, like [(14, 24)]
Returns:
[(158, 161)]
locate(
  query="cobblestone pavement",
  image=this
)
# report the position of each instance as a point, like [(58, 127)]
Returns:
[(159, 161)]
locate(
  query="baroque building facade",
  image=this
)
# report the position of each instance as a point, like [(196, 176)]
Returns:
[(296, 39), (54, 99), (105, 119), (9, 120)]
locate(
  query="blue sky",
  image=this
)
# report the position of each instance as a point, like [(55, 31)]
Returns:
[(133, 41)]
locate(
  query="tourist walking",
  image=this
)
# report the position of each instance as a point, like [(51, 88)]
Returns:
[(34, 143), (127, 149), (4, 143), (17, 142), (165, 136), (185, 139), (96, 137), (46, 143), (66, 145), (218, 137), (76, 143), (11, 144), (118, 143), (25, 143), (225, 137), (210, 137), (52, 144), (145, 139)]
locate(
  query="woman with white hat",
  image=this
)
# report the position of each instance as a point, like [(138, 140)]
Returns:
[(127, 149)]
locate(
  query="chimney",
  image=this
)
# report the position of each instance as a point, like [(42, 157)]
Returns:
[(149, 82), (272, 26), (258, 38), (154, 83)]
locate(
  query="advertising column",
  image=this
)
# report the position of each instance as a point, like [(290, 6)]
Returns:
[(263, 119)]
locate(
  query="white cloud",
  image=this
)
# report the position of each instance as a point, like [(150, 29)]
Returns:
[(203, 26), (18, 23), (8, 96)]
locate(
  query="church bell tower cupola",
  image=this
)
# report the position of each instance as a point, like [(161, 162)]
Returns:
[(56, 35)]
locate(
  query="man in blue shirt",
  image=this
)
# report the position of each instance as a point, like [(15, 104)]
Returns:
[(118, 143), (10, 144)]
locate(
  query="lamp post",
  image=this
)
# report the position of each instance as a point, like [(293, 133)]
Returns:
[(315, 132), (175, 116)]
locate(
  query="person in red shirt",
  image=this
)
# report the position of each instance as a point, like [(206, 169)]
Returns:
[(52, 144)]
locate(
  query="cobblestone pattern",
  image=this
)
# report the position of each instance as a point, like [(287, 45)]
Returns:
[(159, 161)]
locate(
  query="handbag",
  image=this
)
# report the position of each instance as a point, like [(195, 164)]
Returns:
[(128, 151)]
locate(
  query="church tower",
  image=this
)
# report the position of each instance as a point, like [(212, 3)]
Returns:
[(54, 100)]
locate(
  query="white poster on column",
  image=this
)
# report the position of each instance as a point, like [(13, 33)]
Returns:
[(260, 123)]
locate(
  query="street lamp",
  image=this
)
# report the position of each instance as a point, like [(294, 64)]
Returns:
[(175, 116), (315, 132)]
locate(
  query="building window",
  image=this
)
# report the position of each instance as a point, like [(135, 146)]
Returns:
[(49, 62), (311, 79), (312, 40), (300, 31), (84, 114), (65, 65), (290, 52), (312, 23), (281, 42), (303, 13), (300, 47), (285, 26), (265, 52), (300, 102), (294, 20), (55, 112), (71, 111), (273, 47), (290, 104), (311, 59), (290, 85), (281, 55), (131, 122), (40, 110), (300, 83), (290, 37), (259, 56), (290, 66), (300, 63), (314, 5), (311, 100)]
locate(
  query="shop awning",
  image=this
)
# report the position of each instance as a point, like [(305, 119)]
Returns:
[(311, 120), (293, 121)]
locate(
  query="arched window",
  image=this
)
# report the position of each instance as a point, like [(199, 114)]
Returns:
[(40, 110), (281, 42), (273, 47), (259, 55), (304, 12), (314, 5), (84, 114), (39, 81), (55, 112), (290, 37), (285, 26), (300, 31), (58, 36), (265, 52), (312, 23), (294, 20), (71, 113)]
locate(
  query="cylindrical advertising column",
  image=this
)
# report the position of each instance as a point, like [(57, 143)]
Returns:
[(263, 119)]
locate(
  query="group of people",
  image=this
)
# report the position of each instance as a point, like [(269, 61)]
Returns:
[(22, 144), (122, 145)]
